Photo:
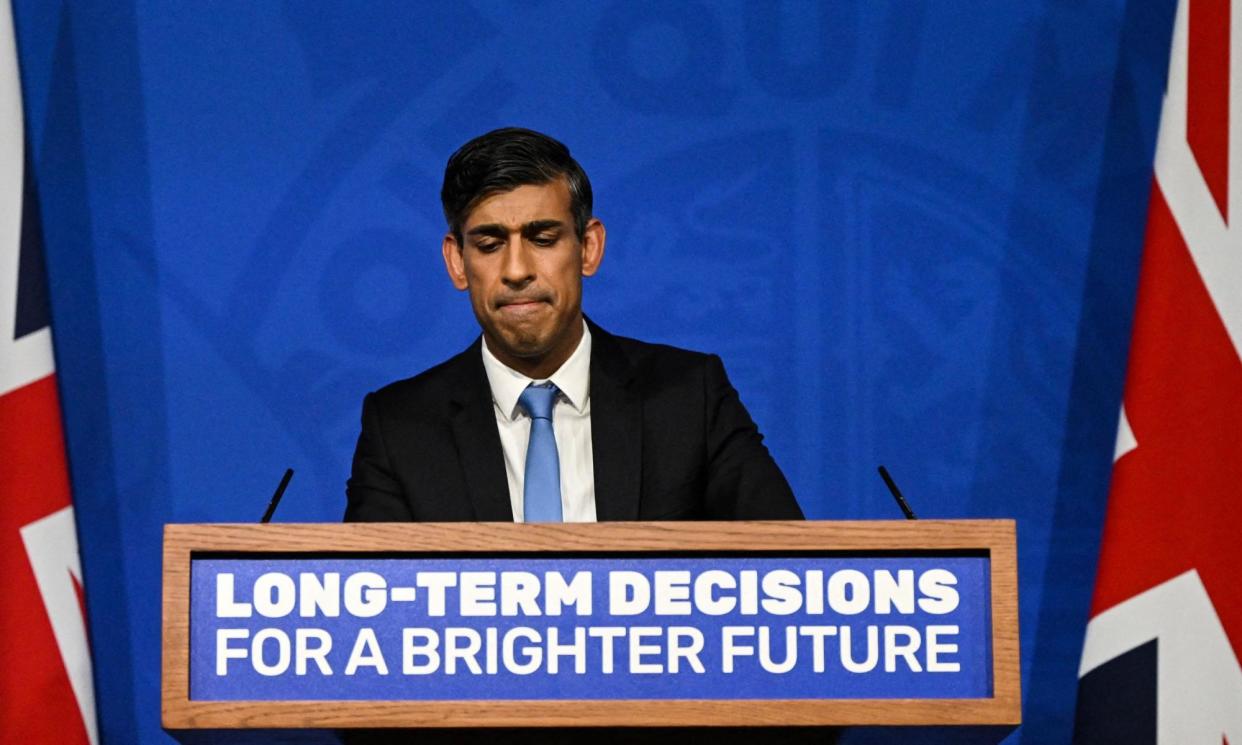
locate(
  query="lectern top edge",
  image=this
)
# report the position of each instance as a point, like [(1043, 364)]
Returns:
[(778, 536)]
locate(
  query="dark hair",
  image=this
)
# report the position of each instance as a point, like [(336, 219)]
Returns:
[(504, 159)]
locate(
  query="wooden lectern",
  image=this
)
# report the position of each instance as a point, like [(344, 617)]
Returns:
[(324, 587)]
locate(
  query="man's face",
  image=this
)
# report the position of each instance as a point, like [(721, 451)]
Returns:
[(523, 266)]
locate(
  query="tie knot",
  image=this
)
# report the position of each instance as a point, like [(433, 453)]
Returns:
[(537, 400)]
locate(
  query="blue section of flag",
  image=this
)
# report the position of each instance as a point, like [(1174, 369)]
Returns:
[(1117, 700), (32, 304)]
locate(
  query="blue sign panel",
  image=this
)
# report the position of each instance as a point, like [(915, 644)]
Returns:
[(436, 629)]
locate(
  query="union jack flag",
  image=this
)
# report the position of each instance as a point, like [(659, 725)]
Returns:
[(46, 693), (1160, 659)]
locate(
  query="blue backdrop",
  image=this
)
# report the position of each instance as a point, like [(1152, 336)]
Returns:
[(911, 229)]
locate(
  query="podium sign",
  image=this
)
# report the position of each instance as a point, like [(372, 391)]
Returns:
[(639, 623), (587, 628)]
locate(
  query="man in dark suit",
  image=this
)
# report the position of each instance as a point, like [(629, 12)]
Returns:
[(547, 416)]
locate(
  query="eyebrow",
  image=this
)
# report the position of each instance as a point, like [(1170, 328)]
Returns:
[(496, 230)]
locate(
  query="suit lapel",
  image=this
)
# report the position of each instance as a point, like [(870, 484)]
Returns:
[(616, 430), (478, 441)]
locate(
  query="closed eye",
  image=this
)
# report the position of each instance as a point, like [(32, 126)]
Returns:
[(543, 233)]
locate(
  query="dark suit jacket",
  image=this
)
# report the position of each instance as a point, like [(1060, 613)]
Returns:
[(671, 441)]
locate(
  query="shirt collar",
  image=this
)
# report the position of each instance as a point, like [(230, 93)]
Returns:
[(573, 378)]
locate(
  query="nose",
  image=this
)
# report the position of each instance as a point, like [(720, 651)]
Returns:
[(517, 269)]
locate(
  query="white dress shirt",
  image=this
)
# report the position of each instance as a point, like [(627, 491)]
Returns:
[(571, 423)]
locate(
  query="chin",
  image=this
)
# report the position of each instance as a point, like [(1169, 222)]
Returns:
[(526, 343)]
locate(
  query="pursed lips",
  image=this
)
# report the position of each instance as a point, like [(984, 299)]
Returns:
[(521, 305)]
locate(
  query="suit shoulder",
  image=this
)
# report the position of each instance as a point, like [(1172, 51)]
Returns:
[(661, 360), (433, 385)]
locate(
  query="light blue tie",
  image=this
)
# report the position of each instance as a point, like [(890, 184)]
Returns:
[(542, 493)]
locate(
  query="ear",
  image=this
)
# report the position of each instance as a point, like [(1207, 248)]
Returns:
[(454, 262), (593, 247)]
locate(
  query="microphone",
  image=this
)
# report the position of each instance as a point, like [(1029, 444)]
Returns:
[(280, 492), (892, 487)]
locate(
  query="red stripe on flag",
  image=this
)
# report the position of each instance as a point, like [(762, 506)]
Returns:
[(1207, 97), (1173, 500), (37, 705)]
